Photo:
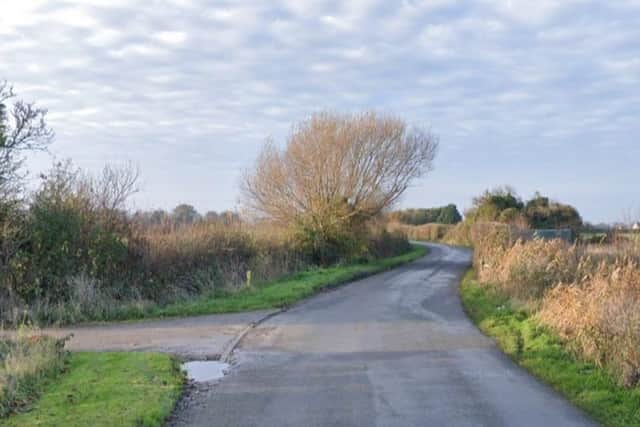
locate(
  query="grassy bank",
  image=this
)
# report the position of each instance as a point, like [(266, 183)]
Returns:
[(541, 352), (27, 363), (273, 294), (107, 389)]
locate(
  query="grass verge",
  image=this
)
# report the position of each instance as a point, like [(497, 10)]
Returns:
[(108, 389), (541, 352), (27, 363), (275, 294)]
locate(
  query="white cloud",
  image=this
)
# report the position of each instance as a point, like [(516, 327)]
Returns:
[(323, 67), (530, 12), (161, 78), (224, 15), (18, 13), (174, 38), (75, 62), (105, 37), (215, 80), (629, 66), (341, 24), (438, 39), (73, 17), (137, 50), (84, 112)]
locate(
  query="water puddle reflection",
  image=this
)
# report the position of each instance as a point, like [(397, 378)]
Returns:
[(204, 371)]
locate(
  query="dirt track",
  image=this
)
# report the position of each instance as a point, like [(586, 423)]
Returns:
[(201, 337)]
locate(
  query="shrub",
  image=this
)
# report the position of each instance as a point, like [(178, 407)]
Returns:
[(492, 203), (460, 235), (504, 205), (426, 232), (332, 241), (67, 231), (383, 243), (543, 213), (443, 215)]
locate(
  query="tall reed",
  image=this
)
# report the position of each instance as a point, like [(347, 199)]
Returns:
[(589, 295)]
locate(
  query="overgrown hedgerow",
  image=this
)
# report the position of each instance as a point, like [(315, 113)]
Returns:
[(424, 232), (75, 259)]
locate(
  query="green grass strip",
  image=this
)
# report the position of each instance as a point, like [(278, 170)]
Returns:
[(275, 294), (108, 389), (539, 351)]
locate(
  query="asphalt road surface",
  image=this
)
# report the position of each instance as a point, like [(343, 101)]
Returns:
[(395, 349)]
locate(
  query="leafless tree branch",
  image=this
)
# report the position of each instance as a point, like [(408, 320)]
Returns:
[(338, 167), (22, 128)]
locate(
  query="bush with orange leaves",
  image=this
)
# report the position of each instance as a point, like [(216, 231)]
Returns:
[(600, 317)]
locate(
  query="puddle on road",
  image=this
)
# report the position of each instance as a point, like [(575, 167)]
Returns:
[(204, 371)]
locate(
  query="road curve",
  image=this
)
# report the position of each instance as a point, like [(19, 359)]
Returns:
[(395, 349)]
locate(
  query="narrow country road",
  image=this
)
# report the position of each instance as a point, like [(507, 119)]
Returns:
[(394, 349)]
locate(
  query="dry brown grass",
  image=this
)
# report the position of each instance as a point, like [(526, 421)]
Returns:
[(213, 256), (460, 235), (490, 242), (26, 359), (210, 256), (528, 269), (599, 316), (425, 232), (589, 295)]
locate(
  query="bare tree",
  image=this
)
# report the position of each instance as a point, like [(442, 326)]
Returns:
[(338, 168), (113, 186), (22, 128), (104, 194)]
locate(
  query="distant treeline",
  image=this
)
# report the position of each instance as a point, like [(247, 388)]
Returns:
[(184, 214), (442, 215), (503, 204)]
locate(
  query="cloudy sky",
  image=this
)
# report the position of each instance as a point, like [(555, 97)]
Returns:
[(541, 95)]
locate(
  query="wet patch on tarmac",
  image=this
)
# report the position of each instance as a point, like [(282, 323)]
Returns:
[(205, 371)]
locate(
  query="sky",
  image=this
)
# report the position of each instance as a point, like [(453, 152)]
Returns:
[(543, 96)]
